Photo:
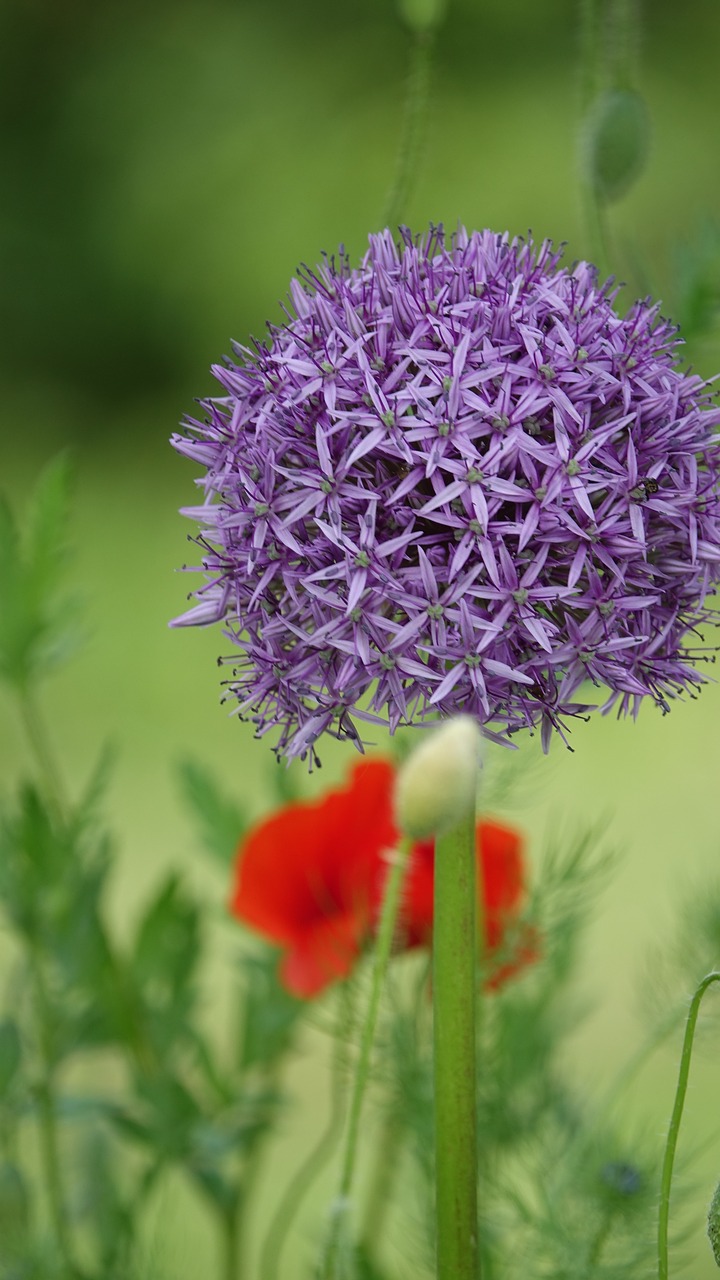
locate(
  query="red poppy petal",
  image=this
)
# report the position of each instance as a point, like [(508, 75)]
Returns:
[(313, 860), (322, 955), (500, 862), (526, 951), (501, 853)]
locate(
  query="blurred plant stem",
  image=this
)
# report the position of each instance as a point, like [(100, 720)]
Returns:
[(296, 1190), (40, 745), (592, 76), (47, 1114), (412, 134), (674, 1127), (386, 930), (387, 1155), (231, 1240), (454, 1037)]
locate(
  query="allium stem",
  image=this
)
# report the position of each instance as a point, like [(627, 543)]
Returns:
[(674, 1128), (454, 1001), (386, 930), (413, 128)]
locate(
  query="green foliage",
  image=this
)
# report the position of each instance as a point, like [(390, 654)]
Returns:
[(270, 1014), (37, 622), (220, 820), (175, 1101), (713, 1227), (164, 961), (10, 1054), (14, 1211)]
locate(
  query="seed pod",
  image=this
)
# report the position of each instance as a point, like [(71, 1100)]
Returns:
[(436, 786), (616, 142), (422, 15)]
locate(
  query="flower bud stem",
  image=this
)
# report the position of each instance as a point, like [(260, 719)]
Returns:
[(412, 129), (454, 1000), (674, 1127), (383, 947)]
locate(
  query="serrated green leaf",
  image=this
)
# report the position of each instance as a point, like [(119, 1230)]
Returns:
[(167, 943), (220, 820), (270, 1013), (46, 538), (37, 623), (616, 142)]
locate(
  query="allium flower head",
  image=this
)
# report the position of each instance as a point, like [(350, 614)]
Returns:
[(455, 480)]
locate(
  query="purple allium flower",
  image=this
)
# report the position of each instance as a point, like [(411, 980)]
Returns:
[(456, 480)]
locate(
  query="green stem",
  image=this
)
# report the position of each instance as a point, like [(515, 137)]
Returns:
[(39, 743), (413, 127), (378, 1201), (674, 1129), (296, 1190), (454, 1001), (590, 54), (383, 948), (48, 1120), (231, 1236), (623, 43)]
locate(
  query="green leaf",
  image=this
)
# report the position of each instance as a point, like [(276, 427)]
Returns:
[(616, 142), (37, 624), (166, 946), (220, 820), (270, 1013), (10, 1054)]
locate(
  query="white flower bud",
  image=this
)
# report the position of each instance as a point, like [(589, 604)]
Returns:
[(436, 785)]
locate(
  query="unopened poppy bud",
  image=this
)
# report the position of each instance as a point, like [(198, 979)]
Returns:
[(422, 15), (714, 1225), (436, 785)]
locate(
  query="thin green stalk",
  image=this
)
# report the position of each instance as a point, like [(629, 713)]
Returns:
[(454, 1002), (674, 1128), (413, 127), (383, 947), (47, 1119), (590, 53), (387, 1155), (296, 1190), (231, 1238), (593, 77), (623, 43)]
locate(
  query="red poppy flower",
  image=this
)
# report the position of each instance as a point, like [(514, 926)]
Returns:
[(310, 878)]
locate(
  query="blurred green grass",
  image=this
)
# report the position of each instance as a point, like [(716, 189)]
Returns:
[(166, 169)]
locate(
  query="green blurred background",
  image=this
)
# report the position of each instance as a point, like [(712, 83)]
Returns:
[(164, 169)]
